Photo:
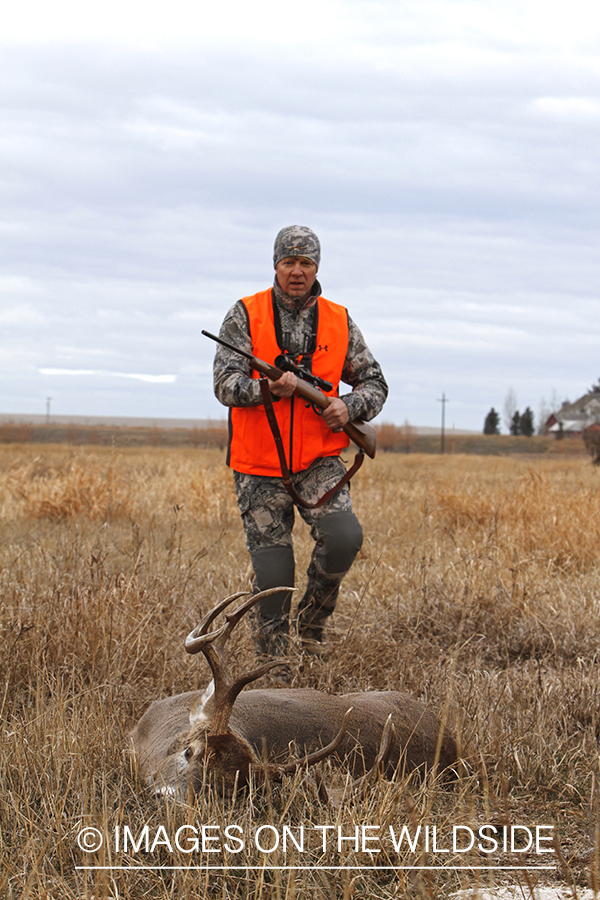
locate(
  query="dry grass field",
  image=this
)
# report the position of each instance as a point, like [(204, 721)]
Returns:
[(477, 590)]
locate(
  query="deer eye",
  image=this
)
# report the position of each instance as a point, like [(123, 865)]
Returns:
[(189, 752)]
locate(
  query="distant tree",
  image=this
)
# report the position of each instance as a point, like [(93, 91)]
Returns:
[(546, 410), (544, 414), (387, 436), (515, 423), (492, 422), (406, 435), (510, 408), (395, 438), (526, 423)]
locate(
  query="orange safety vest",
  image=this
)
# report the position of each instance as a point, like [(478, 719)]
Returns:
[(305, 436)]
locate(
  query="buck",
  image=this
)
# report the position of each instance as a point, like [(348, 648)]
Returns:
[(235, 732)]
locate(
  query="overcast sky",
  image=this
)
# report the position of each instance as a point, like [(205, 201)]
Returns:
[(445, 152)]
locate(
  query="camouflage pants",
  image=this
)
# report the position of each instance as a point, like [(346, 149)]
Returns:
[(268, 516)]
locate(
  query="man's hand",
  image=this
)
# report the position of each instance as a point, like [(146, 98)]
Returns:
[(284, 386), (336, 414)]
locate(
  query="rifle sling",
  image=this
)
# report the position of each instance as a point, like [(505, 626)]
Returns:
[(285, 472)]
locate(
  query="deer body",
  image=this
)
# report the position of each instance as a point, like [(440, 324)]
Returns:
[(232, 731), (283, 720)]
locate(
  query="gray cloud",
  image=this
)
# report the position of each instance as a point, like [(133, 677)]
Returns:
[(444, 152)]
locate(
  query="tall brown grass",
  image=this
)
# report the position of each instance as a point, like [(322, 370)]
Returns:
[(476, 589)]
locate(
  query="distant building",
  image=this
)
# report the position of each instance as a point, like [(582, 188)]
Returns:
[(574, 419)]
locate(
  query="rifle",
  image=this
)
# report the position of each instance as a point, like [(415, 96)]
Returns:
[(362, 434)]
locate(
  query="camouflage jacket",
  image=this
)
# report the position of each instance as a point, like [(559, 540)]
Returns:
[(234, 385)]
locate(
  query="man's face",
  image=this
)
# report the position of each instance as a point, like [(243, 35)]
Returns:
[(296, 276)]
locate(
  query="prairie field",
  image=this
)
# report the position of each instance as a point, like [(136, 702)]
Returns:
[(477, 590)]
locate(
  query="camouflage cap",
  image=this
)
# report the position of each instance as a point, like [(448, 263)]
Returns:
[(297, 240)]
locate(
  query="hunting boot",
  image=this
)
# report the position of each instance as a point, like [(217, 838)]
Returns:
[(271, 641)]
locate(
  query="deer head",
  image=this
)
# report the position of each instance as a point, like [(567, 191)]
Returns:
[(210, 742)]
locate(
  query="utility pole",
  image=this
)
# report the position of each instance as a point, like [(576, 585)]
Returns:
[(48, 399), (443, 401)]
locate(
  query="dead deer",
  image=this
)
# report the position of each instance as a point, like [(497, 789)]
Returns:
[(234, 732)]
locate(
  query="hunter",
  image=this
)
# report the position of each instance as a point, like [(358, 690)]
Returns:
[(294, 319)]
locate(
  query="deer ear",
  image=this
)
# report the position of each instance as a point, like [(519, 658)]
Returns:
[(201, 712)]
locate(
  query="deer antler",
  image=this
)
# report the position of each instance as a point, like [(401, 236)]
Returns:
[(335, 796), (212, 645), (386, 748)]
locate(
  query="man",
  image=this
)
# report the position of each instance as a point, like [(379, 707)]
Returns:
[(293, 318)]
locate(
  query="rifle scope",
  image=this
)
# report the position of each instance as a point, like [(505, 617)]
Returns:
[(288, 365)]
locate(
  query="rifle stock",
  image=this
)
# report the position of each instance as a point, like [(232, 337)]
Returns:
[(360, 433), (363, 435)]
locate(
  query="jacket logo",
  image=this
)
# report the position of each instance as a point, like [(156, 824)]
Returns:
[(323, 348)]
